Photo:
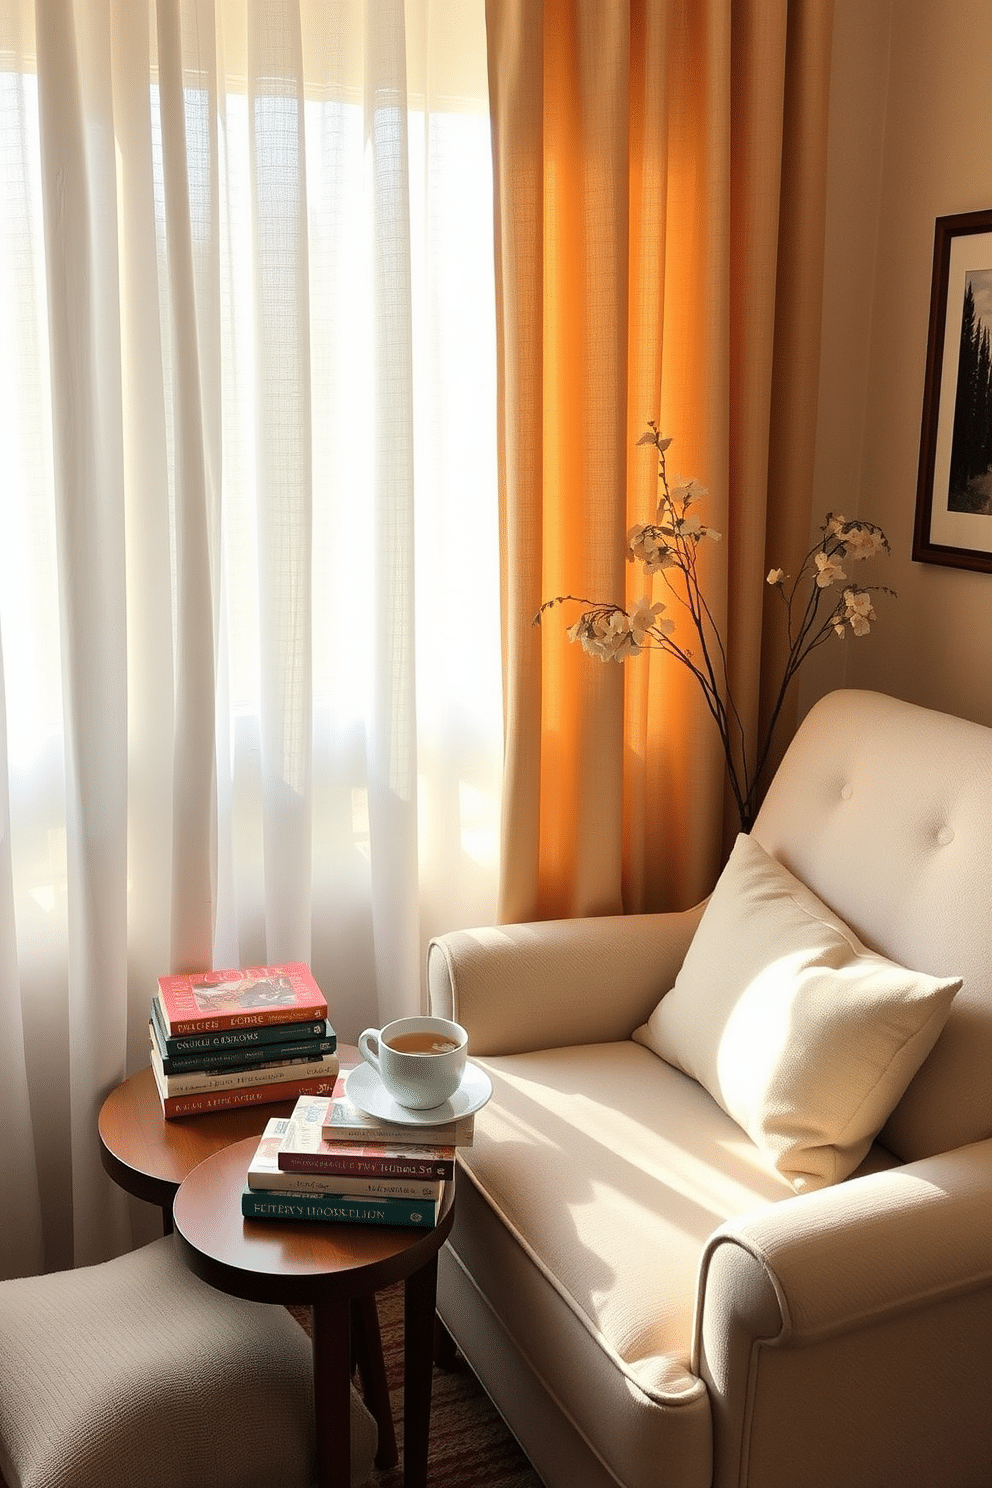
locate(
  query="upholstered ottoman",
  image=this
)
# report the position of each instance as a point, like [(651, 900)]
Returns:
[(136, 1374)]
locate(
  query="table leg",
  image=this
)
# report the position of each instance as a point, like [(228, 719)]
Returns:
[(331, 1331), (419, 1302), (367, 1342), (445, 1347)]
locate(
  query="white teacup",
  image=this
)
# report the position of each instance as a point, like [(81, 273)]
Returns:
[(419, 1060)]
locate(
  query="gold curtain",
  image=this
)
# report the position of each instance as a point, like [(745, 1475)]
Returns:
[(659, 181)]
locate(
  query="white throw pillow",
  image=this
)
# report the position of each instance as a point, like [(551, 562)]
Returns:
[(805, 1037)]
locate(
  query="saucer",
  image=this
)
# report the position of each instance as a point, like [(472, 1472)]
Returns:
[(365, 1090)]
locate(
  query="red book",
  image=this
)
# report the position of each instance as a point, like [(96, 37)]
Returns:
[(202, 1102), (370, 1160), (205, 1001)]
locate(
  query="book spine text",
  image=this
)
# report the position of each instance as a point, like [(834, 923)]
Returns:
[(338, 1209), (371, 1166), (228, 1100)]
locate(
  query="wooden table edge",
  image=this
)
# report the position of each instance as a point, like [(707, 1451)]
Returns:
[(300, 1288)]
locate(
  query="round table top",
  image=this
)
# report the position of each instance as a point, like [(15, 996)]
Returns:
[(270, 1260), (149, 1157)]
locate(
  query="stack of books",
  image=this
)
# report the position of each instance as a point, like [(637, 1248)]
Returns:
[(221, 1039), (333, 1163)]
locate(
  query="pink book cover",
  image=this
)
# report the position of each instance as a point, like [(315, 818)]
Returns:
[(371, 1159), (265, 1173), (205, 1001)]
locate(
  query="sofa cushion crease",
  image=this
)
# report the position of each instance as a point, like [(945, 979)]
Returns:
[(555, 1357), (562, 1450)]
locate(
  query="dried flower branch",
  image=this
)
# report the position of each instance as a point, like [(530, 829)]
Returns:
[(669, 547)]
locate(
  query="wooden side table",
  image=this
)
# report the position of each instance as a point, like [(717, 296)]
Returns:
[(327, 1267), (149, 1157)]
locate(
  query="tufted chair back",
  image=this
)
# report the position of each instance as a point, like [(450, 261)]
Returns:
[(885, 810)]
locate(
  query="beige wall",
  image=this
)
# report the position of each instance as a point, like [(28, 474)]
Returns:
[(911, 140)]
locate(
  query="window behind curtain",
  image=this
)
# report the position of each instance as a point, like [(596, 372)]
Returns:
[(350, 598)]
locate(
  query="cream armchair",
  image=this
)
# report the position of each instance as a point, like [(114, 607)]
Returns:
[(659, 1294)]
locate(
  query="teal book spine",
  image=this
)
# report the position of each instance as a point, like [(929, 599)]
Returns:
[(237, 1042), (338, 1209), (246, 1058)]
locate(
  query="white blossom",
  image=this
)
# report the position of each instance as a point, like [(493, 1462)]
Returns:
[(861, 541), (603, 632), (648, 545), (644, 618), (693, 527), (858, 610), (685, 492), (829, 570)]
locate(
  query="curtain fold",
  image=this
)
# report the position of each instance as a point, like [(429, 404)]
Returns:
[(21, 1233), (393, 794), (659, 176), (190, 231), (283, 469), (247, 392), (78, 177)]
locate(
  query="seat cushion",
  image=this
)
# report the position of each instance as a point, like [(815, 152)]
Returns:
[(135, 1372), (596, 1176), (801, 1033)]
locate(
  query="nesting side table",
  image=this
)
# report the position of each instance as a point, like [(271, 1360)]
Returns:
[(150, 1157), (327, 1267)]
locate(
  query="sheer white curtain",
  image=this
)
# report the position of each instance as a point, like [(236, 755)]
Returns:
[(249, 634)]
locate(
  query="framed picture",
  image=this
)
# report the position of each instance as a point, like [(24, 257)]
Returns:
[(954, 490)]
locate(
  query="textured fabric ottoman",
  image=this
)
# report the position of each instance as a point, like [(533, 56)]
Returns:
[(135, 1372)]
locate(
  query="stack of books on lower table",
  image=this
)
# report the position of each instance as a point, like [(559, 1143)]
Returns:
[(222, 1039), (331, 1162)]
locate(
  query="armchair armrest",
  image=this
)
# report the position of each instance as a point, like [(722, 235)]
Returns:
[(557, 982), (863, 1311)]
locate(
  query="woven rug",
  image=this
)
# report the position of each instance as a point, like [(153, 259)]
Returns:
[(470, 1445)]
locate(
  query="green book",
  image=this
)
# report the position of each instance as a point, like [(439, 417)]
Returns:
[(260, 1203), (229, 1042), (245, 1056)]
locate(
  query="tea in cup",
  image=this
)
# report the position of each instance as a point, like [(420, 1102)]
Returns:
[(420, 1061)]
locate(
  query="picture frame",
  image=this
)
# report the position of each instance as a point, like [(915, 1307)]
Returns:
[(954, 488)]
